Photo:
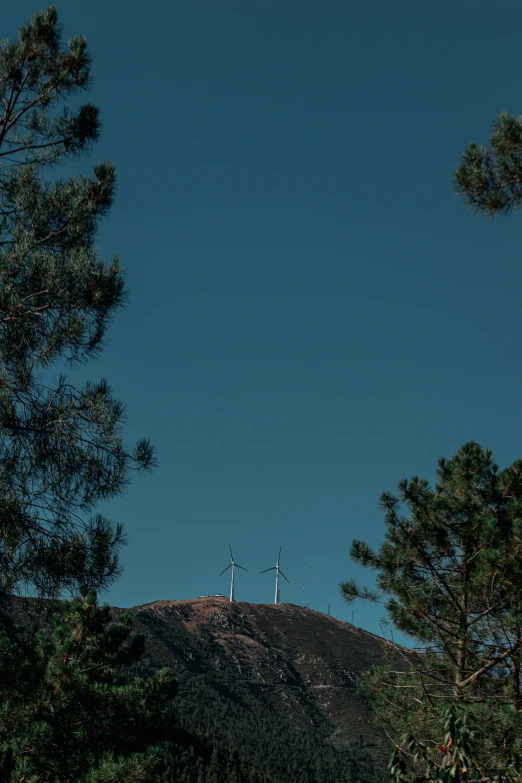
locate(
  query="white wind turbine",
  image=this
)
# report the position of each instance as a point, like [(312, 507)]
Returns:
[(277, 569), (232, 565)]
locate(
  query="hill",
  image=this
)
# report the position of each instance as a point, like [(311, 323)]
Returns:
[(281, 657), (285, 664), (269, 688)]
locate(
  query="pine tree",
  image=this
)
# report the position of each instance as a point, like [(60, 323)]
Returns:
[(451, 575), (68, 711), (74, 712), (61, 447), (490, 177)]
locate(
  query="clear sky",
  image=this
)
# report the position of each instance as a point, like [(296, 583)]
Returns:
[(313, 314)]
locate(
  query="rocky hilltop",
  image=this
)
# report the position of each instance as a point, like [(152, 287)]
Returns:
[(282, 660)]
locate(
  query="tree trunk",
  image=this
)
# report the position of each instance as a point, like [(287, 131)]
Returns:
[(516, 698), (460, 675)]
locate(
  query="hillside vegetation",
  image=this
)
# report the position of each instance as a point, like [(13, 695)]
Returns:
[(266, 692)]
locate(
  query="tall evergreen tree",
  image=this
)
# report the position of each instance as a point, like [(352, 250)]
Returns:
[(490, 177), (61, 447), (450, 576), (67, 711)]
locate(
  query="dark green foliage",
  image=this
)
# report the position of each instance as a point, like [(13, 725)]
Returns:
[(61, 447), (451, 575), (490, 178), (68, 710), (463, 729), (71, 711), (235, 743)]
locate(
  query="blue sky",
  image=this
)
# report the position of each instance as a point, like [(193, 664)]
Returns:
[(313, 313)]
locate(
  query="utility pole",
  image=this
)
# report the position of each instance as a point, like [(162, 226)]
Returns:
[(303, 590)]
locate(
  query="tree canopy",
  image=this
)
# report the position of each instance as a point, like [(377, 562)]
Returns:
[(61, 446), (489, 178), (450, 576), (71, 710)]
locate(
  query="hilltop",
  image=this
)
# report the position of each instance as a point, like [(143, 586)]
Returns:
[(282, 660)]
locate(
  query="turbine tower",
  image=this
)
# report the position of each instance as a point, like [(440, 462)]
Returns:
[(277, 569), (232, 565)]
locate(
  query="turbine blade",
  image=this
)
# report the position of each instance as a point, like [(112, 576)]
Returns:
[(242, 568), (267, 569), (288, 580), (225, 569), (231, 555)]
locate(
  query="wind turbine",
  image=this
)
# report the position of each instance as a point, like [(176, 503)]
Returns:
[(232, 565), (277, 569)]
